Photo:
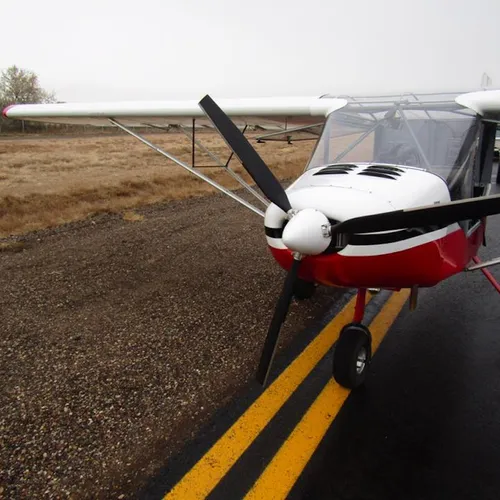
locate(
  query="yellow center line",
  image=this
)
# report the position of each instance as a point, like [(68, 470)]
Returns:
[(214, 465), (285, 468)]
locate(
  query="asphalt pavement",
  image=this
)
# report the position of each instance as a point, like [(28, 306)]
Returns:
[(427, 422)]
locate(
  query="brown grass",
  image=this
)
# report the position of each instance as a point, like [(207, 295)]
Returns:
[(131, 216), (45, 182)]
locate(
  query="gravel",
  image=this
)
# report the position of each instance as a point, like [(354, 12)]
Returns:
[(119, 340)]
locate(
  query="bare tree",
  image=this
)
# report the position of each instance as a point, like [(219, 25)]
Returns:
[(21, 86)]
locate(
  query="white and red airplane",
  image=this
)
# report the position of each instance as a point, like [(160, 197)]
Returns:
[(395, 194)]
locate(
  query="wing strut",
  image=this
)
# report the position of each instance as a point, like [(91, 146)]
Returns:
[(185, 166), (225, 166), (215, 158)]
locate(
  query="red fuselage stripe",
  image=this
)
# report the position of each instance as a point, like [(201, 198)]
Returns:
[(422, 265)]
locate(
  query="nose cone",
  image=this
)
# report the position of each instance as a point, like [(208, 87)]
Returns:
[(307, 232)]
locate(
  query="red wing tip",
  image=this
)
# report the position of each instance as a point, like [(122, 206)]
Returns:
[(4, 112)]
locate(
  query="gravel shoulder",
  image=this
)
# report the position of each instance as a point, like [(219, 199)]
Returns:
[(120, 339)]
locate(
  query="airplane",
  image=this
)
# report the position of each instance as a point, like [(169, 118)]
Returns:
[(395, 194)]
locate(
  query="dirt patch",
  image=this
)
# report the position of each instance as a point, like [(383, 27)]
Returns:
[(12, 246), (120, 339)]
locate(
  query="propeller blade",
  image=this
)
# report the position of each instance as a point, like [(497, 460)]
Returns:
[(279, 316), (441, 214), (249, 158)]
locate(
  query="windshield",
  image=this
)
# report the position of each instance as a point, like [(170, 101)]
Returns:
[(436, 135)]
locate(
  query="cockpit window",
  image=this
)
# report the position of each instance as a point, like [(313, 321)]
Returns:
[(436, 135)]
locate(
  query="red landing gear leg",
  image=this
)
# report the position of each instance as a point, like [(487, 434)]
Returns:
[(485, 271), (359, 309), (353, 350)]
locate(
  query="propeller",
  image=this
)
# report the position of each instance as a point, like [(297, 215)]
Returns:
[(307, 231), (441, 214), (279, 316), (249, 158)]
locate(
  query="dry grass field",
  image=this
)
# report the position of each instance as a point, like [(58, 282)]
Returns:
[(47, 181)]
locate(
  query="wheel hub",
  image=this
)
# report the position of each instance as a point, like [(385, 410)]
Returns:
[(361, 360)]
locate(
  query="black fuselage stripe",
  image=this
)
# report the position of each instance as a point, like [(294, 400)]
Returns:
[(371, 239), (274, 232), (384, 238)]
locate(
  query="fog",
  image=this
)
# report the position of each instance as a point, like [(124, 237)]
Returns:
[(157, 49)]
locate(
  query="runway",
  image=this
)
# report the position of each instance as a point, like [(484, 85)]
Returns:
[(425, 425)]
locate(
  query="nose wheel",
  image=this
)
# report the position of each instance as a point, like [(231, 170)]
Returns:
[(353, 350), (352, 355)]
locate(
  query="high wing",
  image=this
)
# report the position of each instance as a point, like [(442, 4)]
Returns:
[(281, 113), (292, 111)]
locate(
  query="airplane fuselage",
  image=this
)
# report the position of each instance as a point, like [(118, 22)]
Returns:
[(392, 259)]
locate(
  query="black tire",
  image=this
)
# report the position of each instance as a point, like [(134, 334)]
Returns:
[(303, 289), (354, 341)]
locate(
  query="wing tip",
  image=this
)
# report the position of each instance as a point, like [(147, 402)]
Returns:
[(4, 111)]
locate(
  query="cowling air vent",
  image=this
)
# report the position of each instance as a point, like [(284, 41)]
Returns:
[(336, 169), (382, 171)]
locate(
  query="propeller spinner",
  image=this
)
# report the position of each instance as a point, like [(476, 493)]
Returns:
[(307, 232)]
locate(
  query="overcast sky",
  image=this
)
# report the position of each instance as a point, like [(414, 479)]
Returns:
[(161, 49)]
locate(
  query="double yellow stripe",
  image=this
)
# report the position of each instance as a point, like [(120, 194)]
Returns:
[(215, 464), (285, 468)]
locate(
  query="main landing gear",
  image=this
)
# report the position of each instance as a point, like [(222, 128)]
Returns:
[(353, 350)]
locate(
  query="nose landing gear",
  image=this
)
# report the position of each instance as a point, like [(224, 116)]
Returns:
[(353, 350)]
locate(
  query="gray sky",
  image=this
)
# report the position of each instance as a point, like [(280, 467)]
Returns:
[(161, 49)]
